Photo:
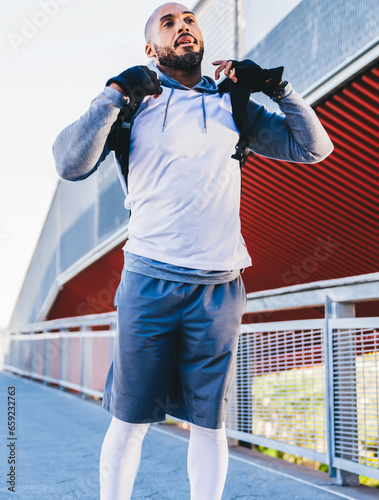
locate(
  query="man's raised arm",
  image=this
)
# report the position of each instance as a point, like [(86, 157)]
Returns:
[(298, 136), (80, 147)]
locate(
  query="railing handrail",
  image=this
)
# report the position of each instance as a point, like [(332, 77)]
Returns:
[(100, 334), (107, 318), (315, 285), (349, 289), (72, 322)]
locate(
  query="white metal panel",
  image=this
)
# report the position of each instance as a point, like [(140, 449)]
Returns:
[(217, 21), (262, 17)]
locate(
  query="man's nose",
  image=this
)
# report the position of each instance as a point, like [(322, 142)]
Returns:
[(183, 27)]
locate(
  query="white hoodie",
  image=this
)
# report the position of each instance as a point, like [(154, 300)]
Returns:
[(184, 187)]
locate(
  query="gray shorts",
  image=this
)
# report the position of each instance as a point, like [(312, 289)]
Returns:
[(175, 350)]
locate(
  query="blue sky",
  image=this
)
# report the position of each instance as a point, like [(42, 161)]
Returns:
[(55, 56)]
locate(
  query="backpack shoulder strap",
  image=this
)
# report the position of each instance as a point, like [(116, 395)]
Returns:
[(239, 97), (119, 139)]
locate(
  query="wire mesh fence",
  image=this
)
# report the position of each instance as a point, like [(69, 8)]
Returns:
[(356, 396), (279, 389)]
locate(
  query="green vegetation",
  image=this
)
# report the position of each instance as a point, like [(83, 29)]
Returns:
[(294, 459), (289, 406)]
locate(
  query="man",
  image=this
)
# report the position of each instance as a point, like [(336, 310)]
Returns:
[(181, 296)]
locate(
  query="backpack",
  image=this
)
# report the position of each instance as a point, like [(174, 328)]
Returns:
[(119, 136)]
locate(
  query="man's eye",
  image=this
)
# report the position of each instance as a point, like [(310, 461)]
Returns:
[(190, 21), (169, 23)]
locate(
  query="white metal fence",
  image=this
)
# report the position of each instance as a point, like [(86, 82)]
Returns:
[(279, 391), (306, 387)]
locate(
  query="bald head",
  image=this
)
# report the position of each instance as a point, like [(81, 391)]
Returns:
[(155, 17), (173, 38)]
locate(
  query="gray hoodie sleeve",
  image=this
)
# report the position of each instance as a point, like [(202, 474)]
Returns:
[(298, 136), (81, 147)]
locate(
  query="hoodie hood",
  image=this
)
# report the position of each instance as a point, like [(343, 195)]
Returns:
[(206, 83), (205, 86)]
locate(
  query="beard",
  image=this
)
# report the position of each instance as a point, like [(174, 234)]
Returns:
[(189, 60)]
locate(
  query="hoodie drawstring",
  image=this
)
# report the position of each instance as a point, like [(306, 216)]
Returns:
[(166, 111), (203, 108), (204, 115)]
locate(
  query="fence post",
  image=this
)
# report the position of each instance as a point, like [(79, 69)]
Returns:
[(112, 327), (45, 358), (329, 407), (84, 368), (62, 356), (341, 401), (244, 421)]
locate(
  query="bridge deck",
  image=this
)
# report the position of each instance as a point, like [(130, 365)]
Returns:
[(59, 437)]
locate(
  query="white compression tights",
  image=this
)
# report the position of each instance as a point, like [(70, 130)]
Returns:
[(207, 462), (120, 458), (121, 455)]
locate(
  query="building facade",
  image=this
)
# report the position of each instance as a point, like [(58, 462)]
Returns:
[(330, 53)]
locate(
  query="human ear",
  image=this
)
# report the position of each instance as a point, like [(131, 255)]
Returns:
[(149, 50)]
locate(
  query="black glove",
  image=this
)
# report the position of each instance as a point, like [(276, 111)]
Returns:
[(137, 82), (252, 76)]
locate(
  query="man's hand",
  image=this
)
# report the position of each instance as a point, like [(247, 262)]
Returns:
[(229, 71), (250, 75), (136, 83)]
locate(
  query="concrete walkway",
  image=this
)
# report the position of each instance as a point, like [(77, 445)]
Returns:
[(59, 437)]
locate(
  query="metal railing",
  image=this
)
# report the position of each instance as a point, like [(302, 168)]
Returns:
[(67, 352), (305, 387)]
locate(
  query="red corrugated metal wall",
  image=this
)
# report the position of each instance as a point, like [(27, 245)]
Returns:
[(306, 223), (92, 290), (301, 223)]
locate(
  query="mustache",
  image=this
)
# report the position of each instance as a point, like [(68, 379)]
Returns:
[(184, 36)]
